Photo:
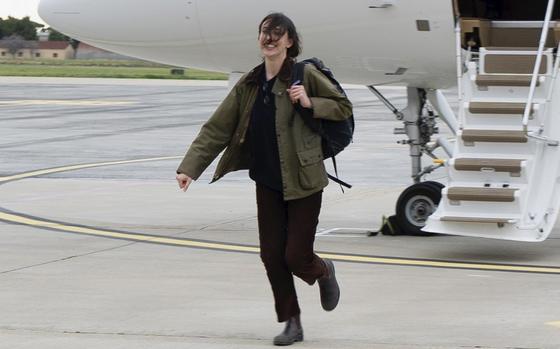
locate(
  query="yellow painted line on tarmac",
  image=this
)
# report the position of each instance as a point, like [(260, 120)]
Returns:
[(64, 227), (8, 217), (442, 264), (554, 323), (58, 102), (38, 223), (80, 167)]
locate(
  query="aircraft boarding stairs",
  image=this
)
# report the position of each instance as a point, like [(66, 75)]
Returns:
[(504, 174)]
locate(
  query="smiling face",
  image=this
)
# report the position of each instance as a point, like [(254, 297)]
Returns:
[(274, 42)]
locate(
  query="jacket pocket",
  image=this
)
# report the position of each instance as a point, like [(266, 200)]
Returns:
[(311, 170), (311, 140)]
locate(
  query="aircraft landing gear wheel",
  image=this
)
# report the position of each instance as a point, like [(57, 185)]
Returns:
[(415, 205)]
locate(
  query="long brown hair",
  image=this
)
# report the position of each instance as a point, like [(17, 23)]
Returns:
[(278, 25)]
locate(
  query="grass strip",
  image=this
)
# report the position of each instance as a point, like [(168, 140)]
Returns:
[(100, 69)]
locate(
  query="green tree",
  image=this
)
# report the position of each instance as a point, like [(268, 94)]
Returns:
[(55, 35), (24, 27)]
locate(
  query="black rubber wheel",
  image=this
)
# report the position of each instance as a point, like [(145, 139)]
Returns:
[(434, 184), (415, 205)]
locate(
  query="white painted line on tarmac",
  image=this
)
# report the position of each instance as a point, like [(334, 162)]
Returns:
[(66, 103), (479, 276)]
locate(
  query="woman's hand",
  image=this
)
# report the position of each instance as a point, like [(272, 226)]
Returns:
[(298, 94), (184, 181)]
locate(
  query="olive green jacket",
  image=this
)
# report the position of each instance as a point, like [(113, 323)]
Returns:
[(301, 156)]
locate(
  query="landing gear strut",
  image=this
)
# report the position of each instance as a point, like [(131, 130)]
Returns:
[(420, 200)]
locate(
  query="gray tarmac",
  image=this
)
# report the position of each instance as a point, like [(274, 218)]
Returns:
[(63, 286)]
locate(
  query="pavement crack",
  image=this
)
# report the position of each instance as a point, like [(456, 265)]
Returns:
[(234, 220), (127, 334), (4, 272), (66, 258)]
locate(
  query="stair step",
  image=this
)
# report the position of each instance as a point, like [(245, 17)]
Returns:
[(532, 49), (511, 36), (458, 219), (495, 136), (504, 80), (500, 33), (481, 194), (498, 108), (513, 64), (498, 165)]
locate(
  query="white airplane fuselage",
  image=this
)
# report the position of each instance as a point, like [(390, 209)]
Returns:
[(362, 43)]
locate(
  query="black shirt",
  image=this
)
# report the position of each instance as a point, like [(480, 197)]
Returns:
[(265, 159)]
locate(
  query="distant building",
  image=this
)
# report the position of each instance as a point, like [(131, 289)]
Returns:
[(43, 35), (86, 51), (54, 50), (38, 49)]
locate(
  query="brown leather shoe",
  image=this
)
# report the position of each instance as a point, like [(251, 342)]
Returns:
[(293, 332), (328, 287)]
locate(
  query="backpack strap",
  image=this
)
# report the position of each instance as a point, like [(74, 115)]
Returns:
[(297, 72), (338, 180), (309, 120), (306, 114)]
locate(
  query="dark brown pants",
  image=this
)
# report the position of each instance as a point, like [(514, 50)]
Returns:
[(287, 233)]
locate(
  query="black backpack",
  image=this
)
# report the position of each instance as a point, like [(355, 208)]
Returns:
[(335, 135)]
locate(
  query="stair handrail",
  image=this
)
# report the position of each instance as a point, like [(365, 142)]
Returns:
[(544, 36), (459, 58)]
